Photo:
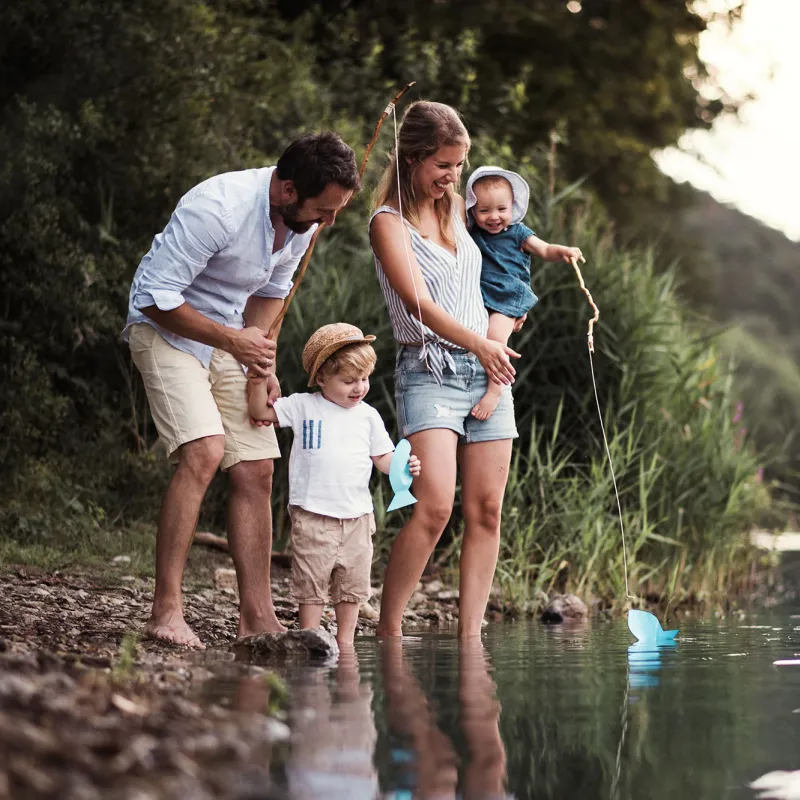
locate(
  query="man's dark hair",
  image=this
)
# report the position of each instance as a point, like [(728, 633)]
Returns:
[(317, 159)]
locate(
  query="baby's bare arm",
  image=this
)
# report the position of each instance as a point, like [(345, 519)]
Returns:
[(535, 246), (257, 400)]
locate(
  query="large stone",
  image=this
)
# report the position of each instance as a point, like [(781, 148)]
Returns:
[(367, 611), (225, 578), (564, 607), (434, 587), (309, 645)]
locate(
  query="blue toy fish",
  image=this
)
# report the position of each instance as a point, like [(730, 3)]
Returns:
[(647, 629), (400, 476)]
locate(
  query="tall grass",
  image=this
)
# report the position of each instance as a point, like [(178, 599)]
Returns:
[(688, 477), (688, 482)]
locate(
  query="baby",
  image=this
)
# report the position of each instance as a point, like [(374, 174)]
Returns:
[(497, 201), (337, 439)]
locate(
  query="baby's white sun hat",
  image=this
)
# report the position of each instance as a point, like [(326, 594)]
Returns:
[(519, 189)]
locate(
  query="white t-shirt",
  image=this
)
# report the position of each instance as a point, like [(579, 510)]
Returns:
[(331, 460)]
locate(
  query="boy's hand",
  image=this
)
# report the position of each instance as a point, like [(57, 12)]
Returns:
[(560, 252), (414, 465), (273, 393), (273, 390)]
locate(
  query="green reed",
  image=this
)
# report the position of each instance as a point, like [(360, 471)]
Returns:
[(688, 478)]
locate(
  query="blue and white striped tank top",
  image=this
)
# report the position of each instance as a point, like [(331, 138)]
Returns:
[(453, 282)]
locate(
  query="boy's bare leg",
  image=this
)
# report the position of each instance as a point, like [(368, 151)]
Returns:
[(500, 328), (310, 615), (346, 620)]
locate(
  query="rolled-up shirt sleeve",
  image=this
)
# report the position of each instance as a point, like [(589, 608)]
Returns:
[(197, 230)]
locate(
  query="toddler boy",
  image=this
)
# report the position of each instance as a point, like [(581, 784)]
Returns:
[(337, 439)]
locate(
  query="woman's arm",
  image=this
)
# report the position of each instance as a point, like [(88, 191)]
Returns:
[(392, 245)]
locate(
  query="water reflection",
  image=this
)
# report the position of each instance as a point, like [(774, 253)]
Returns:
[(424, 757), (333, 735), (644, 661), (573, 712)]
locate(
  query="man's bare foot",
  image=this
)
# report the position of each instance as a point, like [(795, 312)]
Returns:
[(264, 624), (488, 403), (172, 628)]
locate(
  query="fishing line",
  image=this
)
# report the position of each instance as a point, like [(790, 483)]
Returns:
[(406, 235), (590, 342)]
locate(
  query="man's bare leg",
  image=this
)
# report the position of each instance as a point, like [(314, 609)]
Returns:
[(500, 328), (250, 540), (176, 525)]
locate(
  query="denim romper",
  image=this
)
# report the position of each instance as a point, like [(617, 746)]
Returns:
[(506, 272)]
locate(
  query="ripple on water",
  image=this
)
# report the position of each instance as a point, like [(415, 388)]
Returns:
[(549, 712)]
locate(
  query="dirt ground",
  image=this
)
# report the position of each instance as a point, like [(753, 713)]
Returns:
[(89, 709)]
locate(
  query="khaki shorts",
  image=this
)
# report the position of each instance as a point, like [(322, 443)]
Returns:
[(330, 553), (189, 401)]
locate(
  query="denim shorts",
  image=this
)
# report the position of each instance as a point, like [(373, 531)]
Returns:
[(424, 405)]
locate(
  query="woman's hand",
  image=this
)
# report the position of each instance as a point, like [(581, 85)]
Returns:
[(496, 360)]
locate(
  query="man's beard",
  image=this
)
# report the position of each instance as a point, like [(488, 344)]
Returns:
[(289, 214)]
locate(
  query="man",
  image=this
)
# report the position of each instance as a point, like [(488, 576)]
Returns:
[(200, 305)]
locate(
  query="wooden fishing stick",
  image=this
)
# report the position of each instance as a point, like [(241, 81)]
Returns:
[(307, 257), (596, 317)]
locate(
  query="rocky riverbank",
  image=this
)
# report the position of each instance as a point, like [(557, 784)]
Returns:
[(88, 709)]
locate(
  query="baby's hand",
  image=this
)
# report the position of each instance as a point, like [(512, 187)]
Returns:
[(567, 254), (414, 465)]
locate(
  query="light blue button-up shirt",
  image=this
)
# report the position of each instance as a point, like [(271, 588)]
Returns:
[(216, 252)]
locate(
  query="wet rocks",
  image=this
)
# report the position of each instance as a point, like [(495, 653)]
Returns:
[(564, 608), (309, 644), (87, 734), (366, 611)]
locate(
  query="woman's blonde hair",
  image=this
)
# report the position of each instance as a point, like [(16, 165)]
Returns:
[(425, 128)]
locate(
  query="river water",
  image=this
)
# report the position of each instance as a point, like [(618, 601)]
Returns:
[(533, 711)]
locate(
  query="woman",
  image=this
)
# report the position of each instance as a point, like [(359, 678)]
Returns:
[(429, 271)]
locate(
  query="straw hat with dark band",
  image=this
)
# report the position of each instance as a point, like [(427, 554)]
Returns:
[(325, 341)]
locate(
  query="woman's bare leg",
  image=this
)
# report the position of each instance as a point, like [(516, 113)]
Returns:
[(484, 473), (500, 328), (435, 491)]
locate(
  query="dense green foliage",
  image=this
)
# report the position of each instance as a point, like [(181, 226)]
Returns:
[(753, 275), (110, 111), (689, 483)]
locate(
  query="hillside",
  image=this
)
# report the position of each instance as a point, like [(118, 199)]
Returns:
[(754, 290)]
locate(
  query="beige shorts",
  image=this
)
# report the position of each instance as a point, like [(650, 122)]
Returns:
[(189, 401), (330, 553)]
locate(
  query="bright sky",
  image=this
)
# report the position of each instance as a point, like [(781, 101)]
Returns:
[(752, 162)]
